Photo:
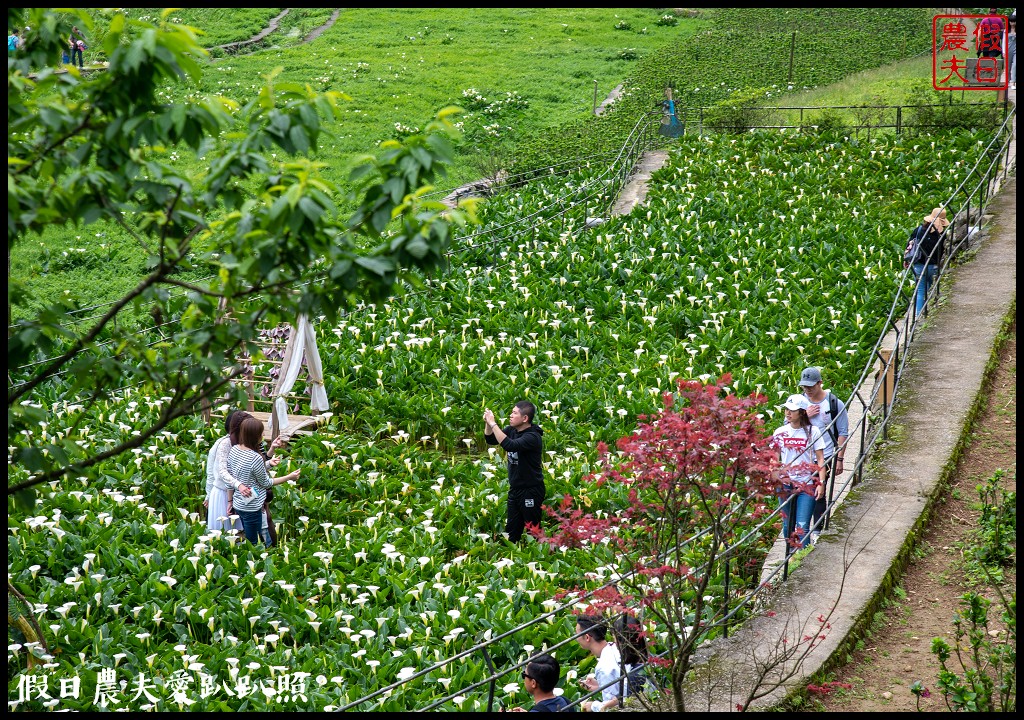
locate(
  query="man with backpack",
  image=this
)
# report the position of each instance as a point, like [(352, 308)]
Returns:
[(13, 41), (828, 414)]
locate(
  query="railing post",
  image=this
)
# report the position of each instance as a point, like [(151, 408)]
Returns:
[(885, 374), (831, 488), (858, 476), (490, 684), (899, 119), (725, 600)]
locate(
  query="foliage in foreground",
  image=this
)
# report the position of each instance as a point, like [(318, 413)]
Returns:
[(984, 676), (102, 147)]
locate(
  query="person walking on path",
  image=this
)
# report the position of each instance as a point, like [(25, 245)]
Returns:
[(523, 443), (247, 464), (1011, 49), (540, 676), (828, 414), (926, 241), (801, 451), (592, 635), (13, 41)]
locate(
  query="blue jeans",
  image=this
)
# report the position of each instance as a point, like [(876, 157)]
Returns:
[(74, 52), (930, 271), (252, 523), (804, 508)]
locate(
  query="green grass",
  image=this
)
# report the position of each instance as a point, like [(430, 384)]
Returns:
[(219, 25), (893, 83), (401, 66)]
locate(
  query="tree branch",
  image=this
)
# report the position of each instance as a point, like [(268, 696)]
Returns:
[(193, 288), (81, 342), (179, 406)]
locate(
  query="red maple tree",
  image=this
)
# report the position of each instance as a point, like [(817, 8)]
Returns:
[(692, 536)]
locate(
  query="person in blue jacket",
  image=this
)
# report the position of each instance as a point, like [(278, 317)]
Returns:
[(523, 443)]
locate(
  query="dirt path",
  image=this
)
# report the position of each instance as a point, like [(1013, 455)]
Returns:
[(898, 651), (318, 31), (274, 23), (236, 48)]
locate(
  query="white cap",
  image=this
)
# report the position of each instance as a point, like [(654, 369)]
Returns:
[(797, 402)]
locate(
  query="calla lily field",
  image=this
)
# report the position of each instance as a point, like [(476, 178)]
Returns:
[(754, 255)]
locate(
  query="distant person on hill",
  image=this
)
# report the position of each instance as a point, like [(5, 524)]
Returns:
[(76, 44), (247, 464), (825, 407), (523, 444), (988, 36), (540, 676), (802, 475), (926, 241)]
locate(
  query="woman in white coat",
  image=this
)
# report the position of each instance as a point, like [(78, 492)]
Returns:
[(219, 481)]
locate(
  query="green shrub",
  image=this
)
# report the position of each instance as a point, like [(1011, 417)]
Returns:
[(935, 111), (988, 682), (829, 123), (627, 54), (739, 112), (623, 25), (668, 20)]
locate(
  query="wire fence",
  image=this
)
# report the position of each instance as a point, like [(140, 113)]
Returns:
[(847, 118)]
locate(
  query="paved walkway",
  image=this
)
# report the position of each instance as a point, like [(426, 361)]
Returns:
[(872, 533)]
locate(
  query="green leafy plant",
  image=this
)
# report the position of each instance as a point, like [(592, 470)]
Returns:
[(986, 679), (932, 110), (919, 691), (623, 25), (668, 20), (739, 113), (828, 123), (997, 533)]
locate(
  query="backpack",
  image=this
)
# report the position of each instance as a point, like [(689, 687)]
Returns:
[(833, 409), (913, 245), (12, 43)]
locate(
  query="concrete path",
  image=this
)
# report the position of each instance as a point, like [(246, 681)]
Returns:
[(614, 95), (635, 191), (850, 570)]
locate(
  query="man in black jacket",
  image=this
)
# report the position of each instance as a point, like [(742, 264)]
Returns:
[(523, 444)]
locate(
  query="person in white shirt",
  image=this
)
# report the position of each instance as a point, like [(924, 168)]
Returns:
[(592, 635), (802, 474), (835, 429)]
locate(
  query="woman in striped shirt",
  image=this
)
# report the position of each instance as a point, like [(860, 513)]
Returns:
[(247, 465)]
